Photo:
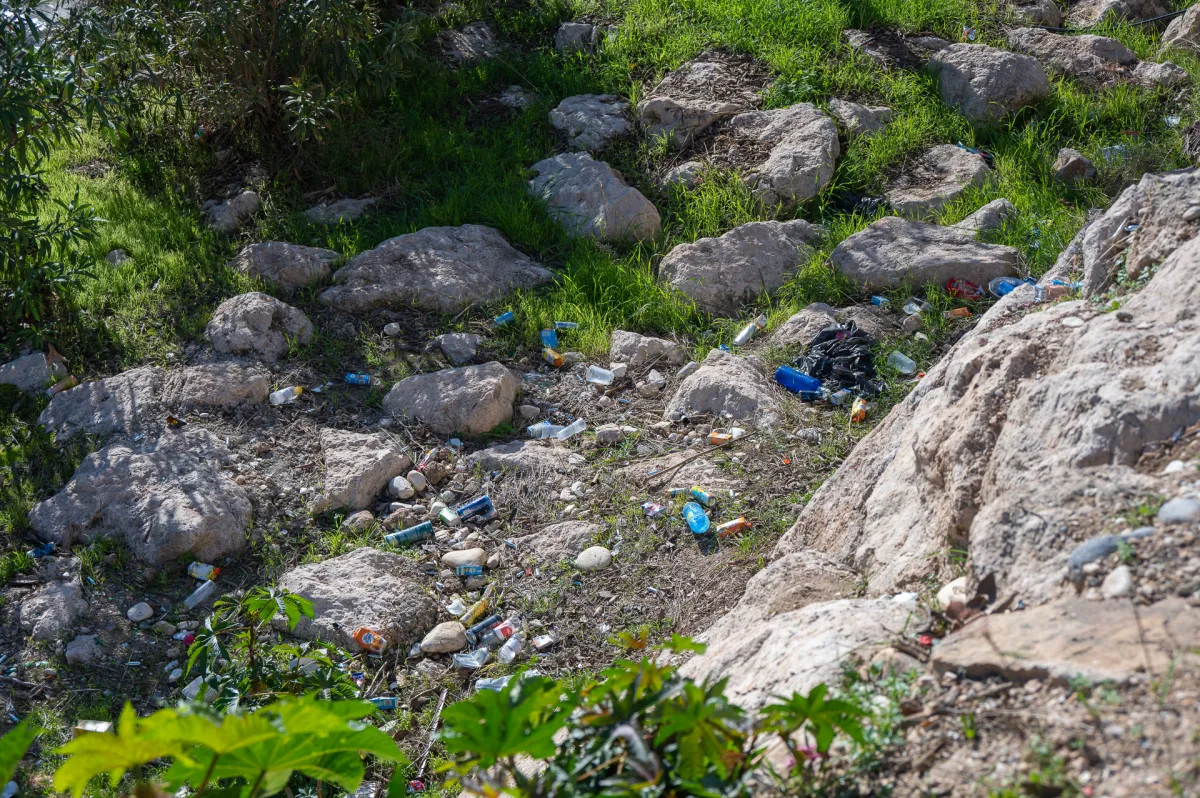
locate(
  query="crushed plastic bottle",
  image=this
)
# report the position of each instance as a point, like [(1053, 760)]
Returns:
[(285, 396), (599, 376), (552, 357), (357, 378), (472, 660), (566, 325), (549, 339), (456, 607), (44, 550), (902, 363), (879, 300), (413, 534), (750, 330), (915, 307), (728, 528), (574, 428), (497, 684), (203, 571), (858, 411), (696, 518), (370, 639), (511, 649), (1003, 286), (543, 430), (504, 318), (798, 383), (200, 595)]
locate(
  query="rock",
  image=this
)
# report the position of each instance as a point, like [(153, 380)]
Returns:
[(445, 638), (470, 401), (721, 274), (638, 350), (338, 211), (894, 50), (1093, 58), (164, 628), (592, 121), (359, 521), (166, 498), (285, 267), (1179, 511), (453, 559), (1118, 584), (515, 97), (955, 590), (83, 650), (648, 390), (437, 268), (596, 558), (529, 412), (559, 541), (474, 42), (49, 613), (417, 480), (803, 148), (527, 458), (936, 178), (140, 612), (985, 83), (609, 434), (117, 257), (1183, 32), (230, 215), (893, 249), (727, 386), (391, 329), (459, 348), (802, 326), (357, 466), (366, 587), (217, 385), (32, 372), (121, 402), (860, 120), (1087, 13), (401, 488), (576, 37), (1069, 639), (990, 217), (689, 100), (1071, 167), (590, 198), (1160, 76), (258, 325), (1098, 548), (686, 174), (1037, 12)]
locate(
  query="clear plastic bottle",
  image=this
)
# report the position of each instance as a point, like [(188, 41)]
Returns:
[(749, 331), (902, 363), (200, 595), (285, 396), (574, 428), (511, 648), (599, 376), (543, 430)]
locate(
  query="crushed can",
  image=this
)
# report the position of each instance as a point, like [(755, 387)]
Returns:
[(353, 378), (653, 509), (370, 639), (739, 524), (449, 517), (469, 570), (495, 637), (504, 318), (384, 702), (552, 357), (203, 571), (544, 642), (702, 496), (478, 506), (413, 534)]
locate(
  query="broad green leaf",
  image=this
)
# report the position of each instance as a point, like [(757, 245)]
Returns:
[(14, 745)]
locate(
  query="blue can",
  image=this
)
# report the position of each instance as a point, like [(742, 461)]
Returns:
[(549, 338), (879, 300), (504, 318), (413, 534), (384, 701), (480, 506), (469, 570), (353, 378)]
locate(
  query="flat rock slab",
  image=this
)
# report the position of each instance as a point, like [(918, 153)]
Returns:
[(215, 385), (49, 613), (703, 91), (527, 458), (1058, 642), (1184, 31), (936, 178), (592, 121), (636, 349), (726, 387), (1096, 59), (858, 119), (357, 466), (437, 268), (258, 325), (32, 372), (801, 145), (474, 42), (590, 198), (803, 325), (338, 211), (365, 587), (470, 401), (229, 215), (1037, 12), (559, 541), (164, 500), (893, 49), (893, 249), (1092, 12), (986, 83), (721, 274), (285, 267)]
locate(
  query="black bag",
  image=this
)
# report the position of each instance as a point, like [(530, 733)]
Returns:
[(840, 357)]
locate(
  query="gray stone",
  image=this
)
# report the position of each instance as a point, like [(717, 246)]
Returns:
[(357, 466), (165, 499), (1098, 548), (1091, 12), (1160, 76), (258, 325), (230, 215), (635, 349), (985, 83), (459, 348), (49, 613), (515, 97), (1179, 511), (992, 216), (140, 612), (364, 588), (1184, 31), (1118, 584), (471, 400), (693, 97), (892, 249), (338, 211), (1037, 12), (936, 178), (83, 650), (401, 488), (1071, 167), (527, 458), (215, 385), (592, 121), (445, 638), (359, 521), (474, 42), (721, 274), (576, 37), (894, 50), (559, 541), (32, 372), (686, 174), (803, 148), (117, 257), (860, 120), (437, 268), (285, 267), (590, 198), (595, 558), (801, 327), (726, 386), (1094, 58)]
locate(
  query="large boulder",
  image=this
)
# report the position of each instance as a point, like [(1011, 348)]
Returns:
[(721, 274), (32, 372), (985, 83), (858, 119), (591, 121), (1184, 31), (258, 325), (473, 42), (590, 198), (636, 349), (357, 466), (892, 250), (364, 588), (727, 387), (689, 100), (1166, 75), (801, 145), (49, 614), (164, 499), (1093, 58), (527, 458), (285, 267), (437, 268), (939, 176), (1087, 13), (471, 400), (802, 326)]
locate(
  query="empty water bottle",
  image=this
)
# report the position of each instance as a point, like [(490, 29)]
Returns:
[(543, 430), (566, 325), (200, 595), (574, 428), (511, 648), (503, 318), (549, 338), (901, 363), (915, 307), (697, 519), (798, 382), (472, 660), (750, 330), (1003, 286), (285, 396), (599, 376), (353, 378)]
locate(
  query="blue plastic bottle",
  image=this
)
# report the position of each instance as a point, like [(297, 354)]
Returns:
[(697, 519), (503, 318), (798, 382), (549, 338)]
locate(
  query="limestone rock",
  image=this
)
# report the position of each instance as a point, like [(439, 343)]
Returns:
[(592, 121), (1160, 76), (690, 99), (445, 638), (1093, 58), (453, 559), (364, 588), (437, 268), (721, 274), (595, 558), (357, 466), (515, 97), (474, 42), (985, 83), (875, 322), (590, 198), (216, 385), (726, 386), (49, 613), (955, 590), (803, 148), (83, 650), (165, 499), (1071, 167), (559, 541), (936, 178), (285, 267), (894, 50), (892, 249), (338, 211), (686, 174), (1179, 511), (1091, 12), (32, 372), (257, 324), (469, 400), (802, 326), (990, 217), (1037, 12), (636, 350), (1184, 31), (459, 348), (524, 457), (230, 215), (1118, 584), (576, 37), (860, 120), (140, 612)]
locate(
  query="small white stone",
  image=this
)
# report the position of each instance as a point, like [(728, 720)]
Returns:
[(1071, 321), (1174, 467), (1192, 213), (596, 558), (391, 329), (445, 638), (1117, 584), (139, 612), (619, 370), (401, 488), (417, 480)]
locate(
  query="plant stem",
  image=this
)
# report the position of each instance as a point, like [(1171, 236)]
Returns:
[(207, 775)]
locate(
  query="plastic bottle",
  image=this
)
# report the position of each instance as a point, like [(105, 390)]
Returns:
[(370, 639), (732, 527), (915, 307), (574, 428), (879, 300), (483, 626), (413, 534), (549, 339), (472, 660), (552, 357), (503, 318), (599, 376), (386, 702), (858, 411), (511, 648), (357, 378), (497, 684), (796, 381), (200, 595), (697, 519), (750, 330), (203, 571), (902, 363), (496, 636), (543, 430), (285, 396), (566, 325)]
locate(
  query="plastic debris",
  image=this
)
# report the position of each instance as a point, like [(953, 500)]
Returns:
[(174, 421), (696, 518), (552, 357), (472, 660), (549, 339), (566, 325), (44, 550), (750, 330), (203, 571), (543, 430), (739, 524), (511, 649), (504, 318), (599, 376), (92, 727), (915, 307), (200, 595), (858, 411), (545, 642), (798, 382), (702, 496), (957, 313), (482, 627), (1003, 286), (879, 300), (413, 534), (468, 570), (653, 509), (384, 702), (497, 684), (370, 639), (902, 363), (574, 428), (840, 357), (285, 396), (963, 289)]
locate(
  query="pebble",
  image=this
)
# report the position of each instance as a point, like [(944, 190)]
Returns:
[(391, 329), (445, 638), (609, 434), (1117, 584), (417, 480), (1071, 321), (360, 520), (1192, 213), (401, 488), (528, 412), (447, 496), (1174, 467), (655, 378), (648, 390), (139, 612), (619, 370), (164, 628), (453, 559), (1179, 511), (596, 558)]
